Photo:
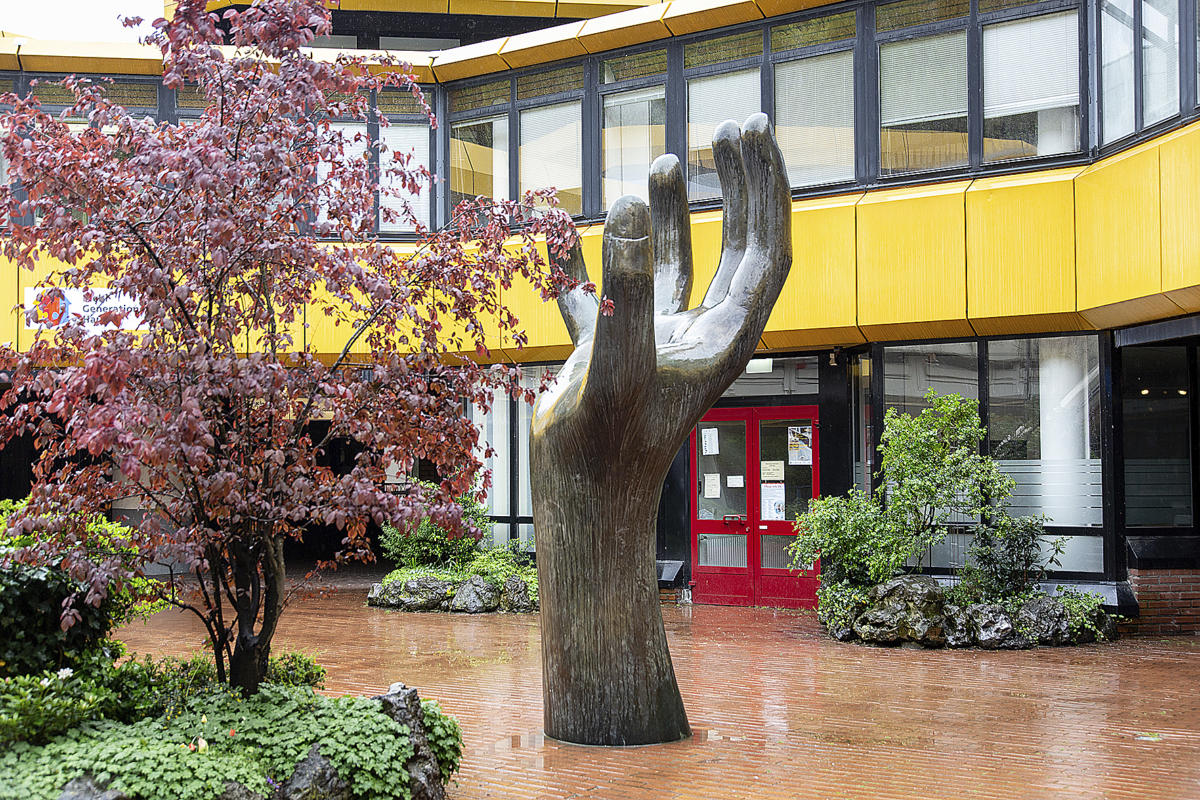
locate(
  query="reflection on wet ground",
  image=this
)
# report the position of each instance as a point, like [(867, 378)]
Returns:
[(778, 710)]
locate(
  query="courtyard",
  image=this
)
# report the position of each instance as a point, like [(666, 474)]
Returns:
[(778, 709)]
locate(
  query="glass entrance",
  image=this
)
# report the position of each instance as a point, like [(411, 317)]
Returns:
[(754, 470)]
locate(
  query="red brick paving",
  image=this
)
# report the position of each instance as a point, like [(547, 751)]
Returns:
[(780, 711)]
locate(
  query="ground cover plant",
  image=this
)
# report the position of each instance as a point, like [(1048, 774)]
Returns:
[(233, 324), (932, 475), (494, 565)]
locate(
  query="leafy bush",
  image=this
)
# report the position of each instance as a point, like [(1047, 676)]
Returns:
[(221, 737), (1083, 609), (494, 565), (1006, 558), (295, 669), (839, 603), (36, 707), (430, 545), (445, 737)]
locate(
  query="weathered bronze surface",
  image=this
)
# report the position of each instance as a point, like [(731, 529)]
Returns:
[(604, 436)]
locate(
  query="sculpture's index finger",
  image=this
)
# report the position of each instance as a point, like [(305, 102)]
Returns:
[(577, 306), (731, 171), (768, 195), (671, 230)]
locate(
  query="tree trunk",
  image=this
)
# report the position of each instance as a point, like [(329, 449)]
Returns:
[(607, 677)]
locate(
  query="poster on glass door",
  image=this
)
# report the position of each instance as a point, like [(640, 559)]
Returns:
[(800, 445), (772, 502)]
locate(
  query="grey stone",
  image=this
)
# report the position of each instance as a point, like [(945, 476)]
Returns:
[(843, 633), (1044, 620), (907, 608), (85, 787), (314, 779), (1107, 625), (425, 593), (475, 596), (994, 629), (236, 791), (956, 625), (403, 704), (514, 596)]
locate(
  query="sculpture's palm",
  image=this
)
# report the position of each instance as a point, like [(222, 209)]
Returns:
[(604, 436)]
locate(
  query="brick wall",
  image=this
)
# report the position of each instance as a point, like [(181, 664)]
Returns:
[(1168, 600)]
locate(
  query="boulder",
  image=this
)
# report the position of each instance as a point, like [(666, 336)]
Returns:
[(957, 626), (514, 596), (993, 628), (1044, 620), (314, 779), (403, 704), (85, 787), (475, 596), (908, 608), (236, 791), (425, 593), (841, 632)]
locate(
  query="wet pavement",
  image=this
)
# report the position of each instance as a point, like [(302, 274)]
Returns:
[(778, 710)]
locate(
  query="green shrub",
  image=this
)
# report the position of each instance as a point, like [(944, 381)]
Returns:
[(1083, 608), (445, 737), (218, 738), (295, 669), (494, 565), (35, 708), (840, 602), (430, 545), (1006, 559)]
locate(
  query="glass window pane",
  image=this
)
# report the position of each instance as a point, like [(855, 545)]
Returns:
[(721, 549), (540, 84), (768, 377), (354, 147), (720, 454), (479, 160), (1160, 60), (1031, 87), (531, 378), (911, 370), (819, 30), (1156, 416), (711, 101), (923, 103), (893, 16), (864, 437), (472, 98), (1116, 69), (1044, 426), (401, 139), (726, 48), (635, 65), (814, 118), (551, 153), (634, 134), (790, 442), (493, 432)]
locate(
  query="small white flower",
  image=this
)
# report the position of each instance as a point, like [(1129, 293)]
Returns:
[(44, 682), (65, 673)]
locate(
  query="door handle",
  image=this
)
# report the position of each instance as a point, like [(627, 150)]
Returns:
[(738, 518)]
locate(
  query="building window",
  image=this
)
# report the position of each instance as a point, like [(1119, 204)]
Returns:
[(1156, 420), (1160, 60), (1044, 426), (634, 134), (479, 159), (909, 371), (400, 139), (923, 103), (551, 152), (1031, 87), (493, 427), (1116, 70), (354, 149), (814, 118), (711, 101)]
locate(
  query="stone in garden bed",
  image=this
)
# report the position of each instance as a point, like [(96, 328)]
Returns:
[(475, 595)]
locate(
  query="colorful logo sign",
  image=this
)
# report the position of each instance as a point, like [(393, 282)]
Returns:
[(52, 309)]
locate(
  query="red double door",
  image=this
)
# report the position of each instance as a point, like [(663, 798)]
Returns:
[(754, 470)]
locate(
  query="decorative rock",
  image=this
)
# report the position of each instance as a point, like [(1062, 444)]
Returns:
[(475, 596), (1044, 620), (908, 608), (425, 593), (994, 628), (957, 626), (235, 791), (85, 788), (514, 596), (314, 779), (843, 633), (424, 776)]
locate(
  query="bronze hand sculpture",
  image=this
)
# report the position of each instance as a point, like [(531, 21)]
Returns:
[(604, 436)]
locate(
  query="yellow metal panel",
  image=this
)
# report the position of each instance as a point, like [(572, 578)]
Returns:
[(912, 262), (706, 252), (1179, 165), (43, 55), (626, 28), (588, 9), (1021, 244), (544, 46), (1117, 230), (9, 300), (1131, 312), (773, 8), (470, 60), (690, 16), (397, 6), (8, 53), (1188, 299), (1030, 323), (818, 303), (420, 64), (509, 8)]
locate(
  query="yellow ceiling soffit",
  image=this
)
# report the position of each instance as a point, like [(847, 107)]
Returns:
[(624, 29), (540, 47), (47, 55), (420, 63), (690, 16), (8, 54), (470, 60), (504, 8)]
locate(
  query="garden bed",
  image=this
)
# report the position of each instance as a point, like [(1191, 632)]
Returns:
[(489, 583)]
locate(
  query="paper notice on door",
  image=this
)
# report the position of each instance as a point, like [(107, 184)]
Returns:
[(708, 442), (772, 502), (771, 471), (712, 485), (735, 481), (800, 444)]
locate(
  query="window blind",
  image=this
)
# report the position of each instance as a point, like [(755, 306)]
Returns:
[(351, 150), (1031, 65), (404, 139), (551, 152), (711, 101), (923, 79), (814, 118)]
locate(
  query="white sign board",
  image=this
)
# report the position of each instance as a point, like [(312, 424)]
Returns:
[(772, 502), (708, 442), (53, 310), (712, 485)]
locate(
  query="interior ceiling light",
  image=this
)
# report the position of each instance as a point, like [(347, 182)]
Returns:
[(1145, 391)]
